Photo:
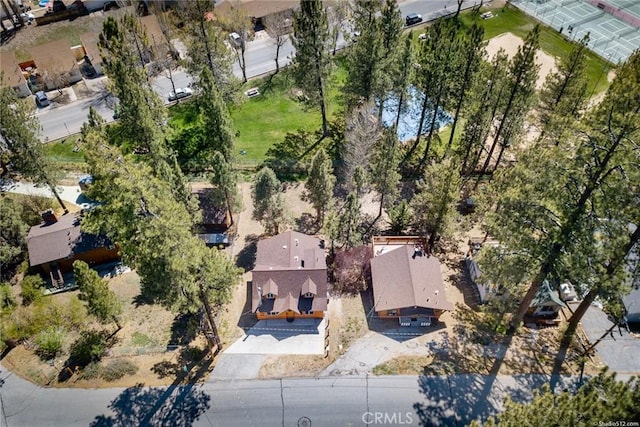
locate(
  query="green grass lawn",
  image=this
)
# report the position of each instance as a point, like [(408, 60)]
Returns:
[(265, 119), (511, 20), (63, 151)]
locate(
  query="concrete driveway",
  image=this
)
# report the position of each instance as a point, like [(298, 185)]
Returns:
[(619, 349), (243, 359)]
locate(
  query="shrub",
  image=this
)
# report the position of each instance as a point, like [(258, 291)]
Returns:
[(90, 347), (351, 270), (118, 368), (49, 342), (31, 289), (7, 300), (91, 371)]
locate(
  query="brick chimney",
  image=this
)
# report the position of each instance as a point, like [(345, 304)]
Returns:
[(49, 217)]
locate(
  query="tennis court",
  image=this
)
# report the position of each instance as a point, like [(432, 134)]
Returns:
[(611, 26)]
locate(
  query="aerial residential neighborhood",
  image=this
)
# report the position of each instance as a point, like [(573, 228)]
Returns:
[(319, 212)]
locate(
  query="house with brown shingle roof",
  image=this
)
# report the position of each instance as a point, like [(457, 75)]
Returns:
[(216, 220), (289, 280), (407, 285), (90, 45), (12, 74), (56, 63), (55, 244)]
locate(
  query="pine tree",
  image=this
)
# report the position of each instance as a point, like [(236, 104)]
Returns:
[(552, 207), (403, 76), (364, 57), (311, 65), (601, 398), (434, 78), (225, 191), (320, 184), (268, 203), (101, 301), (385, 177), (215, 119), (153, 228), (563, 95), (472, 51), (20, 150), (391, 52), (13, 235), (348, 223), (206, 46), (523, 73), (434, 205)]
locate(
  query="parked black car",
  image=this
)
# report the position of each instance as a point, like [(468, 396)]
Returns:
[(412, 19)]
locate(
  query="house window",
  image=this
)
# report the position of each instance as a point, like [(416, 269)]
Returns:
[(308, 295), (270, 296), (392, 312), (273, 313), (311, 312), (546, 309)]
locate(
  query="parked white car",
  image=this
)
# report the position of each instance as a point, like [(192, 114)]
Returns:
[(180, 93)]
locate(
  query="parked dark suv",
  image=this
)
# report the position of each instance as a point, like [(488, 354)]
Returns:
[(412, 19)]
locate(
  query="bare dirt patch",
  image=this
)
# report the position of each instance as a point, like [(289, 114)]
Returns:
[(510, 43)]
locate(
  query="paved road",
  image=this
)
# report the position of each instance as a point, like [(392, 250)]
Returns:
[(332, 402)]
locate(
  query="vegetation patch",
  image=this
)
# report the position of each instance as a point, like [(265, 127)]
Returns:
[(403, 365), (118, 368)]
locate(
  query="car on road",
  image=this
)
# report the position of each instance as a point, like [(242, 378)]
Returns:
[(412, 19), (235, 38), (41, 99), (180, 93)]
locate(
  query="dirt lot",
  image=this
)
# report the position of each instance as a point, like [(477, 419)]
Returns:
[(148, 332)]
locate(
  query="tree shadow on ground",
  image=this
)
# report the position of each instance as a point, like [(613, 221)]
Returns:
[(307, 224), (140, 406), (246, 258), (461, 280), (247, 319), (184, 329), (187, 360), (180, 404), (461, 383)]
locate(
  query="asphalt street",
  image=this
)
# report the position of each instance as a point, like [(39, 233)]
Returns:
[(328, 401)]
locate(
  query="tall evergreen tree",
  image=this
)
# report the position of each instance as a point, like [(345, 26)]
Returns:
[(563, 95), (485, 100), (206, 46), (364, 57), (311, 65), (391, 60), (215, 117), (101, 301), (347, 223), (385, 177), (403, 76), (434, 79), (601, 398), (142, 114), (20, 150), (550, 208), (320, 184), (435, 203), (523, 73), (268, 203), (153, 228), (472, 51), (225, 191)]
